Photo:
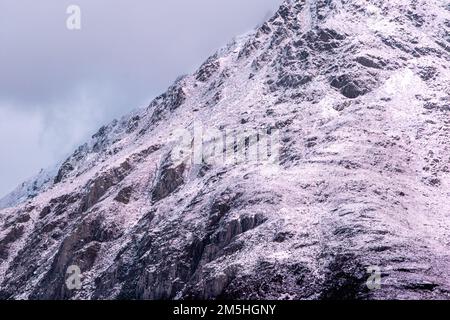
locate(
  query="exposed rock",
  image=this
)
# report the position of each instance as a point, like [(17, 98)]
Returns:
[(210, 67), (324, 39), (370, 63), (170, 177), (99, 186), (63, 171), (13, 235), (124, 195), (348, 86)]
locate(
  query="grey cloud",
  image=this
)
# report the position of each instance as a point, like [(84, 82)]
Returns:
[(57, 86)]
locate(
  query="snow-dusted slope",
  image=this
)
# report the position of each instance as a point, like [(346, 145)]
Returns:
[(29, 189), (359, 94)]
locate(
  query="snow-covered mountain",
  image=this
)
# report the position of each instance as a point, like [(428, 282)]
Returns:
[(30, 188), (358, 93)]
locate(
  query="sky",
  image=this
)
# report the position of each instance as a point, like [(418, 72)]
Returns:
[(58, 86)]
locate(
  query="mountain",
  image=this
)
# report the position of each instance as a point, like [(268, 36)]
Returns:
[(346, 103), (29, 189)]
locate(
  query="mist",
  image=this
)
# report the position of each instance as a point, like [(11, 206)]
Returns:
[(57, 86)]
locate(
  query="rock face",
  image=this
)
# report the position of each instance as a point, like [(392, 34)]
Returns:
[(359, 93)]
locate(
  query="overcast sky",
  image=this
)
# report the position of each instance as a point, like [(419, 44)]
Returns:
[(58, 86)]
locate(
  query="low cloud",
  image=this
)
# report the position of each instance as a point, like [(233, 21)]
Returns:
[(58, 86)]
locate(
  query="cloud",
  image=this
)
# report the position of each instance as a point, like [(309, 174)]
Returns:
[(20, 143), (58, 86)]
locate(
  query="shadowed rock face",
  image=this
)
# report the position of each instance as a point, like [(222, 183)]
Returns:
[(169, 179), (362, 180)]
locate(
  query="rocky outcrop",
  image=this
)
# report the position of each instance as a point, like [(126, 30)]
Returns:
[(169, 178)]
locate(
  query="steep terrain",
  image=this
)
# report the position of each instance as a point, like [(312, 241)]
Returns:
[(359, 93)]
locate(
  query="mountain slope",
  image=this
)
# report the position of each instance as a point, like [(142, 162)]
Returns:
[(358, 93)]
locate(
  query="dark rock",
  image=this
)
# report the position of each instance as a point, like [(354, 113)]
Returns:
[(345, 278), (249, 47), (292, 81), (12, 236), (431, 106), (79, 248), (133, 124), (417, 19), (341, 106), (397, 44), (428, 73), (269, 281), (434, 182), (210, 67), (175, 98), (324, 39), (368, 62), (282, 236), (65, 169), (348, 86), (427, 286), (124, 195), (45, 211), (170, 177), (14, 221)]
